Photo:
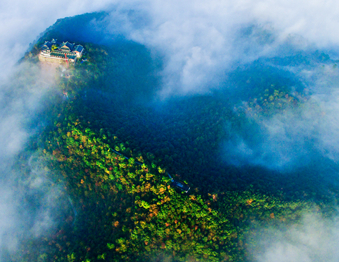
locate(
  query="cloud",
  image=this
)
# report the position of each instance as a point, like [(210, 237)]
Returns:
[(21, 23), (30, 206), (21, 94), (196, 39), (201, 40), (295, 136), (313, 239), (8, 218), (20, 97)]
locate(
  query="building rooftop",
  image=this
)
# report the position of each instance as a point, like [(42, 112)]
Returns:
[(72, 51), (78, 48), (67, 46)]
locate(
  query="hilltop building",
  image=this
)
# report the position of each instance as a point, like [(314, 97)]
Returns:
[(52, 51)]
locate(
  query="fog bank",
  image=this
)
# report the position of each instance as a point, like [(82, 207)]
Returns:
[(314, 238)]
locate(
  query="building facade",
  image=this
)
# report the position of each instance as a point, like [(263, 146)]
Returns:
[(52, 51)]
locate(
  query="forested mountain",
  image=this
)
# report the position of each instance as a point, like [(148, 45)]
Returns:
[(110, 145)]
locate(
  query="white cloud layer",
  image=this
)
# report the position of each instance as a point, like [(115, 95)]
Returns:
[(21, 22), (200, 39), (20, 96), (22, 88), (314, 239), (296, 136)]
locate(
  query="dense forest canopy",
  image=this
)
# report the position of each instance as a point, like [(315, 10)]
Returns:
[(106, 144)]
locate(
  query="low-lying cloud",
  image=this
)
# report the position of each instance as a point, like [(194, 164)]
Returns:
[(21, 95), (22, 22), (313, 239), (31, 207), (297, 135), (198, 40), (22, 90), (201, 40)]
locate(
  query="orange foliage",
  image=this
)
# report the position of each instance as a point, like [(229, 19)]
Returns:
[(192, 197), (214, 197)]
